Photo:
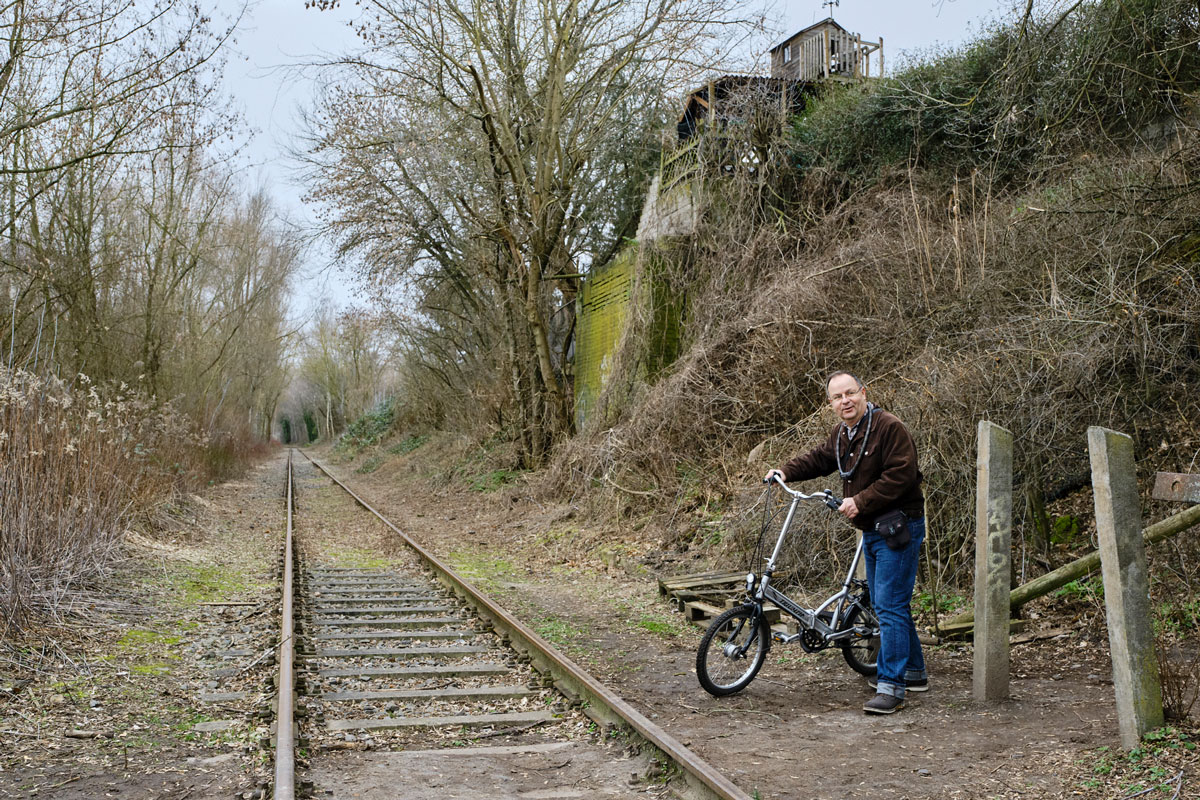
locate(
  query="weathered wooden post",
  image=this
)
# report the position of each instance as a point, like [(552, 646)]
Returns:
[(1126, 585), (993, 570)]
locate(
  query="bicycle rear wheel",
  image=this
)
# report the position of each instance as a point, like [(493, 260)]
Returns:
[(861, 650), (732, 651)]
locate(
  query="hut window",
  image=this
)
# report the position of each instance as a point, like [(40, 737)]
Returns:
[(787, 53)]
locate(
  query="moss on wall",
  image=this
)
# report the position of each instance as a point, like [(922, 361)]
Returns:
[(606, 300), (602, 314)]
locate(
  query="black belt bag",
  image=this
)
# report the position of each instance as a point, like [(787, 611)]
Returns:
[(893, 527)]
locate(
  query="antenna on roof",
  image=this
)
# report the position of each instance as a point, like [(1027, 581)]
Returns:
[(831, 3)]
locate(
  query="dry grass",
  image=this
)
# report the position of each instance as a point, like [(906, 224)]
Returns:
[(78, 465)]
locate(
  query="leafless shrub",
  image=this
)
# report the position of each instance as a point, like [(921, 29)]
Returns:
[(77, 466), (1179, 674)]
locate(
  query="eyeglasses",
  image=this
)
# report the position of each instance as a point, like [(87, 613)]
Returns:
[(837, 398)]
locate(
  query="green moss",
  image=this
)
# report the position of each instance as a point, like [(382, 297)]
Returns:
[(139, 638), (481, 567), (603, 310), (69, 685), (358, 559), (491, 481), (153, 668), (662, 625), (199, 584), (1064, 530), (558, 631)]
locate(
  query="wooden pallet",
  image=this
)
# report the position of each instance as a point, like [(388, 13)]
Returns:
[(703, 596), (698, 581), (702, 612)]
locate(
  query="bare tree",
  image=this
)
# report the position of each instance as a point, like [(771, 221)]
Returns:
[(484, 147), (342, 370), (98, 76)]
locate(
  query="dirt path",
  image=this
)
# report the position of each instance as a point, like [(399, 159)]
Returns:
[(798, 731), (153, 686)]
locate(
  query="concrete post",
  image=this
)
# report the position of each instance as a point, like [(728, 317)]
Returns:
[(993, 557), (1126, 585)]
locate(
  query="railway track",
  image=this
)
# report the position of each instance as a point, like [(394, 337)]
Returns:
[(407, 681)]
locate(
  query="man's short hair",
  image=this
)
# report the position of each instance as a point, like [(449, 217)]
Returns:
[(839, 373)]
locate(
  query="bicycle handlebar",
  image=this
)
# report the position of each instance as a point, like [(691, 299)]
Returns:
[(827, 497)]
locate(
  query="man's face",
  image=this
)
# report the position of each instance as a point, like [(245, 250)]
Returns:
[(848, 399)]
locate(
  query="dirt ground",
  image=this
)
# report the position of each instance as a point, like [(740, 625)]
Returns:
[(798, 731), (107, 703)]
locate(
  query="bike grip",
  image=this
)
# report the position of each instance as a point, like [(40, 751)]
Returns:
[(832, 501)]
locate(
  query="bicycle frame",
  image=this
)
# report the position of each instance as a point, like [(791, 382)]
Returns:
[(810, 619)]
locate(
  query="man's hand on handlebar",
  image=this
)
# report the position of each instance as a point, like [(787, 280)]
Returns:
[(772, 475), (848, 508)]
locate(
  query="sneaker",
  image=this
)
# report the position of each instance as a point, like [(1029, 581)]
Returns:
[(883, 704), (918, 685)]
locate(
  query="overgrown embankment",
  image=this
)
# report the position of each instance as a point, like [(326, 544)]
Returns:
[(1005, 232)]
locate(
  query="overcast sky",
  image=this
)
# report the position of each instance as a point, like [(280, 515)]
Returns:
[(276, 35)]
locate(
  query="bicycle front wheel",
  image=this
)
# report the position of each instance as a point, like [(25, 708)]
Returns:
[(861, 650), (732, 651)]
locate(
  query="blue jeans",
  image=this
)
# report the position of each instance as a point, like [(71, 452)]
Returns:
[(891, 576)]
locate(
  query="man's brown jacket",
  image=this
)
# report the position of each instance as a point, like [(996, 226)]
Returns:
[(886, 479)]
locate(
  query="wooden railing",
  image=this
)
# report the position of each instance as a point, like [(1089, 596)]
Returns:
[(680, 164), (836, 54)]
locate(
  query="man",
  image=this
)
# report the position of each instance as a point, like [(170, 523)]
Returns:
[(874, 454)]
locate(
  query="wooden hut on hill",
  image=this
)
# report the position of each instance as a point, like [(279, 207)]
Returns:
[(822, 52), (825, 51)]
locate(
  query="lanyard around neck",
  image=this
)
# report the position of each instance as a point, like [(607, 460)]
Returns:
[(837, 450)]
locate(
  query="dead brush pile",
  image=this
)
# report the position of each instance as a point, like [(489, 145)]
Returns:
[(1071, 304), (78, 465)]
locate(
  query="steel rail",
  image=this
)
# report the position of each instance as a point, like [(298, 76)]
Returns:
[(599, 702), (285, 742)]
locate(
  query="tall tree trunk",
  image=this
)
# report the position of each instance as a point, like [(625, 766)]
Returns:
[(556, 408)]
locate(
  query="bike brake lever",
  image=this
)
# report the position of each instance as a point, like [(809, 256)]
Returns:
[(832, 501)]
